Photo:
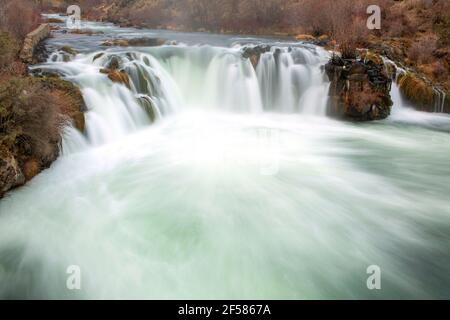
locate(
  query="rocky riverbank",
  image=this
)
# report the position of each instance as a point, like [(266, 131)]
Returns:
[(33, 112)]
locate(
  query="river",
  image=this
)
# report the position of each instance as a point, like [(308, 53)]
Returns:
[(211, 180)]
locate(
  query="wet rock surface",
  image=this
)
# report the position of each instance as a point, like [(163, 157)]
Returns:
[(32, 40), (114, 73), (10, 174), (21, 157), (359, 90)]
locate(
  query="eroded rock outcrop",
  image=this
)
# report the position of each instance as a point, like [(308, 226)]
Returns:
[(359, 90), (32, 40)]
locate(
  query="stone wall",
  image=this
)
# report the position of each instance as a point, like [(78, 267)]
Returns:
[(32, 40)]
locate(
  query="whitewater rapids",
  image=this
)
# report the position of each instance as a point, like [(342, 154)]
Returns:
[(240, 188)]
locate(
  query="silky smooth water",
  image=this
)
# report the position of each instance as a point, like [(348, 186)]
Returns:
[(241, 188)]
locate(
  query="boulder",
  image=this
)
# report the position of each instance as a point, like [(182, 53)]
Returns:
[(254, 53), (135, 42), (359, 90), (114, 63), (55, 20), (75, 103), (78, 120)]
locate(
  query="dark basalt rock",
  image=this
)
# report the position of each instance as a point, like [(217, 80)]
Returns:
[(360, 89)]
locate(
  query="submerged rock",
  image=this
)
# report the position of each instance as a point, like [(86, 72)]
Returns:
[(32, 40), (360, 89)]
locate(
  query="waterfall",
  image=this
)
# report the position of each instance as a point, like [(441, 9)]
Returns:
[(211, 176), (172, 79)]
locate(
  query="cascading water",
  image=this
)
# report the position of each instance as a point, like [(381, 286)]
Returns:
[(208, 178)]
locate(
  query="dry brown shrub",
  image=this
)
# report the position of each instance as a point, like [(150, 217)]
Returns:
[(19, 17)]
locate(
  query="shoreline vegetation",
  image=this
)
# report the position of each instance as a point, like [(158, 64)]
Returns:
[(415, 35)]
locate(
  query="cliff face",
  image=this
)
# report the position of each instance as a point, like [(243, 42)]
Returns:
[(359, 90)]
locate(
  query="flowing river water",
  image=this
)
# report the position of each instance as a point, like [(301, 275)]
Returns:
[(210, 179)]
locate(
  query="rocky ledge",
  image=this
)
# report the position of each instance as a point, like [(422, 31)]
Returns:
[(360, 88), (33, 113)]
